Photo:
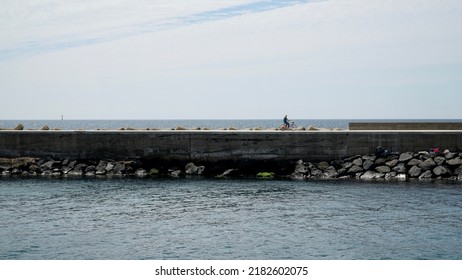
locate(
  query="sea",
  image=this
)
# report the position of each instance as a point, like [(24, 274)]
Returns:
[(45, 218), (65, 124)]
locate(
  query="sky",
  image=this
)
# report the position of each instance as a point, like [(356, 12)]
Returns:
[(223, 59)]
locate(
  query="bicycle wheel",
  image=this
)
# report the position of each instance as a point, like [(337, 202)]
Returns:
[(293, 126)]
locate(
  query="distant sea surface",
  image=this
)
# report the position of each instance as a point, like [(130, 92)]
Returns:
[(169, 124)]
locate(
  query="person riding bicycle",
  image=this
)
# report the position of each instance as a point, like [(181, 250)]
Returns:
[(286, 122)]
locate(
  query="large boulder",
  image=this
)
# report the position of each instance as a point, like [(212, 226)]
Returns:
[(414, 161), (454, 161), (400, 168), (192, 169), (441, 171), (383, 169), (426, 175), (368, 164), (323, 165), (415, 171), (301, 168), (405, 157), (330, 173), (355, 169), (358, 162), (369, 175), (427, 164), (392, 163), (439, 160)]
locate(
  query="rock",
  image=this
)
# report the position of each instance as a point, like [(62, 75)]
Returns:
[(66, 170), (368, 164), (450, 155), (48, 165), (358, 162), (22, 162), (5, 167), (330, 173), (45, 127), (72, 164), (423, 155), (347, 165), (19, 127), (404, 157), (75, 173), (414, 171), (380, 161), (426, 175), (33, 168), (369, 175), (390, 175), (110, 166), (315, 173), (140, 172), (427, 164), (439, 160), (414, 161), (383, 169), (323, 165), (180, 128), (90, 168), (400, 168), (192, 169), (175, 173), (369, 157), (101, 167), (119, 168), (355, 169), (301, 168), (154, 172), (228, 173), (392, 163), (458, 171), (298, 176), (454, 161), (441, 171)]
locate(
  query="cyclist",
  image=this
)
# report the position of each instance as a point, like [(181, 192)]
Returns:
[(286, 122)]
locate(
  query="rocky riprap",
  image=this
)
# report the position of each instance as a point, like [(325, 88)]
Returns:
[(30, 166), (422, 165)]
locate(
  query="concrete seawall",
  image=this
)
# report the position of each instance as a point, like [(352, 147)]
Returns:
[(405, 126), (220, 146)]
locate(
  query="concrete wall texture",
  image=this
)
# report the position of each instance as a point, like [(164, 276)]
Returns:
[(405, 126), (217, 146)]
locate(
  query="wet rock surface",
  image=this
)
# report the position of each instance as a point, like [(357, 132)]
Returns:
[(401, 166)]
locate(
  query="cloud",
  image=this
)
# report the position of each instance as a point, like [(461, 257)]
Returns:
[(61, 25)]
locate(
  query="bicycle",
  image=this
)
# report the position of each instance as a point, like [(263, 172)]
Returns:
[(292, 126)]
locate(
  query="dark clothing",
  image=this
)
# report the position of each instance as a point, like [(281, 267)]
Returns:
[(286, 121)]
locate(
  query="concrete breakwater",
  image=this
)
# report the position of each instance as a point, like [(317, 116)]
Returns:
[(300, 154)]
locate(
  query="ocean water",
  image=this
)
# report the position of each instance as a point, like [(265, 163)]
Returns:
[(169, 124), (129, 218)]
